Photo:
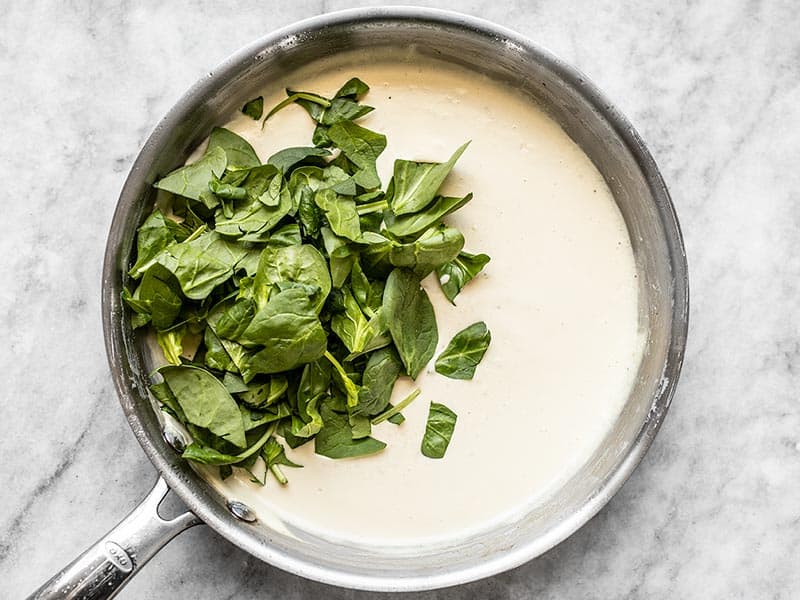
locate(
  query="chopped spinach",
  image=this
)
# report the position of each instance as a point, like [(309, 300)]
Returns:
[(415, 184), (464, 352), (438, 430), (255, 108), (335, 439), (412, 321), (301, 279), (457, 273)]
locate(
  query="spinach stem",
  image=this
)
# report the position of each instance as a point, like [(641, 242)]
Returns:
[(349, 386), (389, 413), (257, 446), (371, 207), (278, 473), (294, 97), (196, 233)]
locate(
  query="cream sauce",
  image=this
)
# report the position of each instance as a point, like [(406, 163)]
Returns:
[(559, 295)]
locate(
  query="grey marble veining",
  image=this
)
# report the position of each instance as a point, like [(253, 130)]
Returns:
[(714, 89)]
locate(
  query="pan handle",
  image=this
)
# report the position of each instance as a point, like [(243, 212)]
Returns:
[(104, 569)]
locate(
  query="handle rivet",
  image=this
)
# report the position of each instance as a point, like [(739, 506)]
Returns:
[(241, 511)]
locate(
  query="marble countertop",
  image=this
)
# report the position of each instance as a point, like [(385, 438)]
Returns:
[(714, 88)]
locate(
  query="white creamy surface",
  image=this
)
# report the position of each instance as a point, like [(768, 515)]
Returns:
[(559, 296)]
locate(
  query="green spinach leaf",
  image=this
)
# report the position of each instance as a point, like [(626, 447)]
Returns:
[(289, 332), (464, 352), (301, 264), (192, 180), (362, 147), (156, 233), (238, 151), (414, 223), (160, 293), (438, 430), (289, 157), (435, 247), (335, 439), (171, 344), (203, 263), (340, 212), (205, 402), (254, 108), (457, 273), (411, 319), (383, 368), (414, 184), (274, 457), (351, 325), (209, 456)]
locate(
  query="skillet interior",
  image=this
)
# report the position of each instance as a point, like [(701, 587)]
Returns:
[(589, 119)]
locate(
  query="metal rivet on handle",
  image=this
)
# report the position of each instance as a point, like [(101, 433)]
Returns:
[(241, 511)]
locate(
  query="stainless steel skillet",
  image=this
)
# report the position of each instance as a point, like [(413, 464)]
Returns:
[(591, 120)]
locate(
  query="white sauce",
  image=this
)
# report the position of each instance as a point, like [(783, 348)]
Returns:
[(560, 298)]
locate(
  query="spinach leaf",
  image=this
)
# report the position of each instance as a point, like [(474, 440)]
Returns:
[(289, 157), (262, 395), (369, 295), (226, 191), (362, 147), (340, 256), (205, 402), (414, 223), (171, 344), (253, 419), (343, 109), (415, 184), (438, 430), (313, 388), (216, 356), (350, 388), (209, 456), (234, 319), (168, 401), (254, 108), (464, 352), (192, 180), (238, 151), (360, 425), (253, 220), (340, 212), (335, 439), (289, 331), (156, 233), (411, 319), (353, 88), (350, 325), (382, 370), (396, 419), (302, 264), (203, 263), (457, 273), (287, 235), (233, 383), (435, 247), (160, 293)]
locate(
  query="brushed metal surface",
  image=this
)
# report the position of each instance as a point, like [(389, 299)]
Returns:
[(606, 137)]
